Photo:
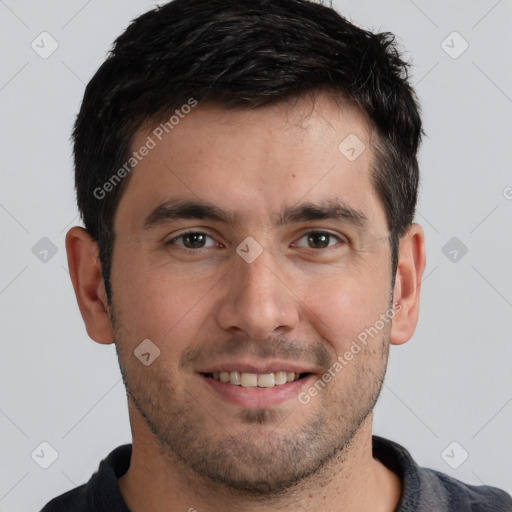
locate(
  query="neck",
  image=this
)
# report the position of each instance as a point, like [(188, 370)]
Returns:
[(352, 481)]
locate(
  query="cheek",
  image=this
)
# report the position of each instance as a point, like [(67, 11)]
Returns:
[(341, 309), (157, 303)]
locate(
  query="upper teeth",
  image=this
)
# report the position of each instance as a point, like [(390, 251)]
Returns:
[(252, 380)]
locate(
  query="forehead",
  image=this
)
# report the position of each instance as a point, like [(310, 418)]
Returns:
[(254, 161)]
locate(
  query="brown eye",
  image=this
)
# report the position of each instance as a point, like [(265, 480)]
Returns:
[(191, 240), (320, 239)]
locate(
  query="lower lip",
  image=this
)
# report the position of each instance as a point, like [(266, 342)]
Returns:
[(257, 398)]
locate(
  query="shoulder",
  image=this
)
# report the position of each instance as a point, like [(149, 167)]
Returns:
[(101, 492), (425, 489), (474, 498), (74, 500)]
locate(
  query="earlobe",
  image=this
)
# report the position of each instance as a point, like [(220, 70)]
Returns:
[(406, 293), (85, 271)]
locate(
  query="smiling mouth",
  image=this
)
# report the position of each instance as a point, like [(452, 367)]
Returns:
[(256, 380)]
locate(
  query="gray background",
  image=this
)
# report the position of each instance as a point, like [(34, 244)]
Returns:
[(451, 382)]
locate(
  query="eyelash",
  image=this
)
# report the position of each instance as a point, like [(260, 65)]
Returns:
[(328, 233)]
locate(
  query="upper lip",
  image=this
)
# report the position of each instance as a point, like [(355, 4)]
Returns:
[(259, 368)]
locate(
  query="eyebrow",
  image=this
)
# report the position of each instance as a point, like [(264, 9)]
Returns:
[(328, 209)]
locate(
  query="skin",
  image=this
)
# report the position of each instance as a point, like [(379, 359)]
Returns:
[(302, 301)]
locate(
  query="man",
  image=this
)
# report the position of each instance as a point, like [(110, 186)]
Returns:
[(247, 176)]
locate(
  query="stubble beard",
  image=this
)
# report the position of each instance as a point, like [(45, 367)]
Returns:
[(280, 456)]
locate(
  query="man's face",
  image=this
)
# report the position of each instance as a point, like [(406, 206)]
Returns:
[(252, 294)]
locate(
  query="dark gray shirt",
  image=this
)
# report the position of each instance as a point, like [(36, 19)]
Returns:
[(424, 490)]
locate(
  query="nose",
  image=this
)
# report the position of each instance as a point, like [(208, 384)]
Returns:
[(258, 300)]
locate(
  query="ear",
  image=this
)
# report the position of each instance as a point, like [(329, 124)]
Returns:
[(406, 293), (85, 271)]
